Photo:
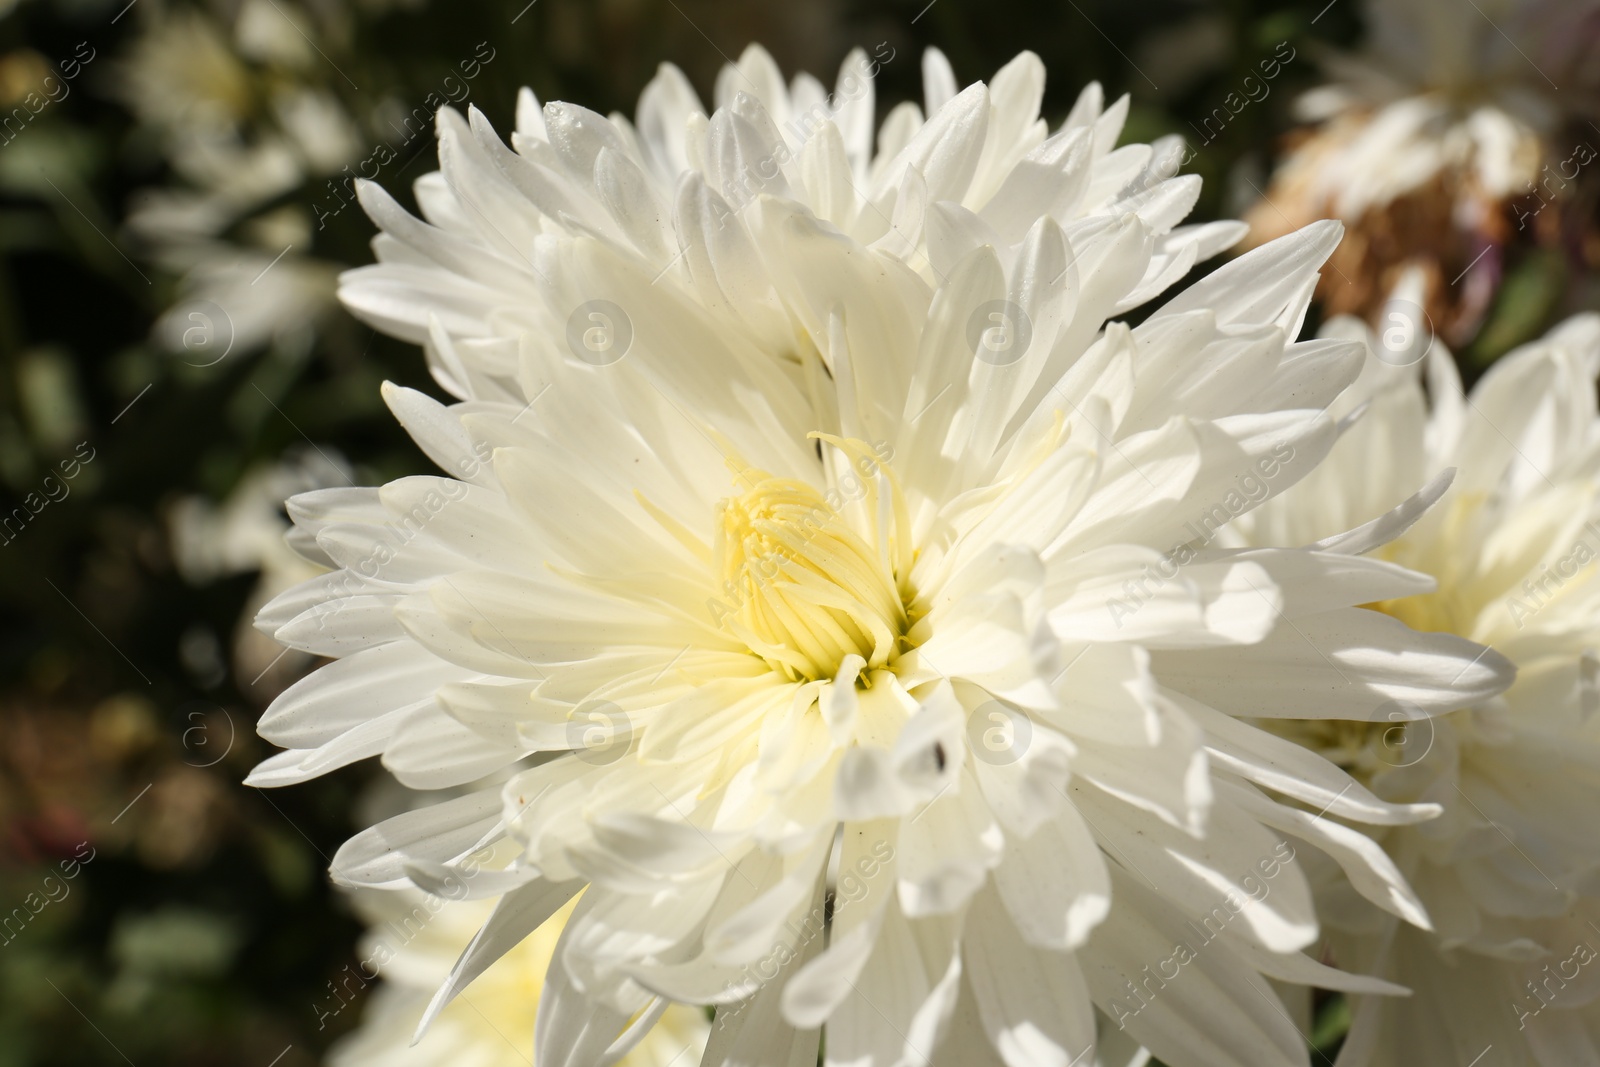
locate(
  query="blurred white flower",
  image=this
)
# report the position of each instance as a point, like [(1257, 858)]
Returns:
[(247, 532), (1424, 139), (1508, 873), (180, 73), (855, 580), (243, 122)]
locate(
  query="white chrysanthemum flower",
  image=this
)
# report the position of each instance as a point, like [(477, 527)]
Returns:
[(845, 608), (1507, 873), (413, 940), (1424, 138)]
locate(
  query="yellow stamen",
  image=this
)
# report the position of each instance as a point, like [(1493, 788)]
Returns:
[(807, 590)]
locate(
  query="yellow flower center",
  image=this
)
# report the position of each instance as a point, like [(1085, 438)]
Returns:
[(1399, 736), (1450, 554), (1432, 612), (805, 589)]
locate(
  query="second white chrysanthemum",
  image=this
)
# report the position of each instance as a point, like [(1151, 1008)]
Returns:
[(1508, 871)]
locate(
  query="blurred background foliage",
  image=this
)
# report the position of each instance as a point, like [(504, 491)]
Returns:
[(173, 363)]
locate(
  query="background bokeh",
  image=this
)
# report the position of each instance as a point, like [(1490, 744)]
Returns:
[(173, 363)]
